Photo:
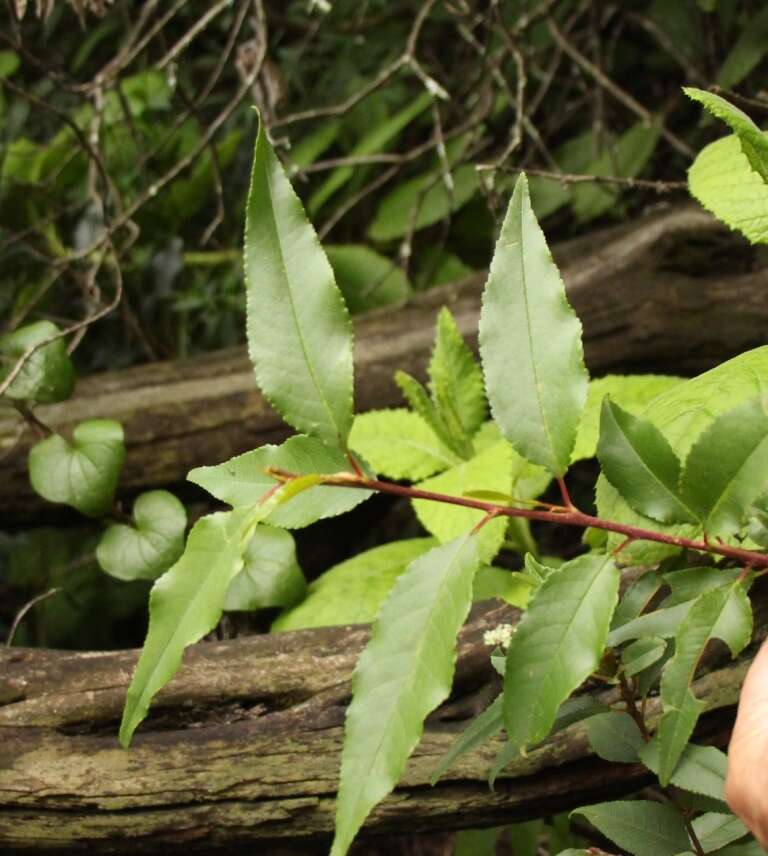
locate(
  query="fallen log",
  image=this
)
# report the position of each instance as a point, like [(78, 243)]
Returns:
[(647, 293), (243, 747)]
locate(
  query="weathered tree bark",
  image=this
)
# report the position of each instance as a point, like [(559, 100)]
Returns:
[(243, 746), (672, 292)]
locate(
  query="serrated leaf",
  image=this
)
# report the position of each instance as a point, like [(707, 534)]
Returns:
[(727, 468), (83, 473), (641, 827), (701, 769), (661, 622), (746, 53), (510, 586), (372, 143), (456, 381), (559, 642), (270, 576), (399, 444), (724, 613), (636, 598), (48, 374), (353, 591), (147, 549), (484, 726), (724, 182), (615, 736), (641, 654), (631, 392), (530, 343), (687, 584), (187, 601), (490, 470), (403, 674), (753, 142), (299, 333), (639, 462), (243, 480), (367, 279), (715, 830), (423, 406)]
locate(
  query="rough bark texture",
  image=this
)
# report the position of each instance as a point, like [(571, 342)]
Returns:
[(672, 292), (243, 747)]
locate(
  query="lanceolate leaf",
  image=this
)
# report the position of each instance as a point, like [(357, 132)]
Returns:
[(530, 343), (558, 643), (422, 404), (639, 462), (299, 334), (727, 468), (484, 726), (640, 827), (701, 769), (723, 613), (243, 480), (404, 673)]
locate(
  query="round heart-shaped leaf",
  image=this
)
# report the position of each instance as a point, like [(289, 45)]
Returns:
[(148, 548), (82, 473), (48, 374)]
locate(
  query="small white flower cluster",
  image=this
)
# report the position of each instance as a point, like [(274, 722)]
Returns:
[(500, 636)]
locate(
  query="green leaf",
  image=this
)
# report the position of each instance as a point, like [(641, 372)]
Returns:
[(660, 622), (271, 575), (724, 182), (421, 202), (641, 654), (399, 444), (477, 842), (687, 584), (523, 838), (309, 148), (727, 468), (403, 674), (242, 481), (639, 462), (456, 382), (724, 613), (749, 49), (636, 598), (631, 392), (490, 470), (641, 827), (423, 406), (715, 830), (484, 726), (372, 143), (366, 279), (701, 769), (510, 586), (83, 473), (559, 642), (299, 334), (530, 343), (152, 545), (615, 736), (48, 374), (625, 159), (352, 591), (753, 142), (758, 522), (187, 601)]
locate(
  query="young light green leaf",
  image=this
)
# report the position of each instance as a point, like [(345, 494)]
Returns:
[(270, 576), (148, 548), (372, 143), (641, 654), (366, 279), (641, 827), (727, 468), (490, 470), (724, 613), (423, 406), (715, 830), (484, 726), (511, 586), (352, 592), (403, 674), (631, 392), (399, 444), (758, 521), (701, 769), (243, 480), (47, 374), (615, 736), (83, 473), (753, 142), (456, 381), (747, 52), (639, 462), (530, 343), (558, 643), (299, 333)]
